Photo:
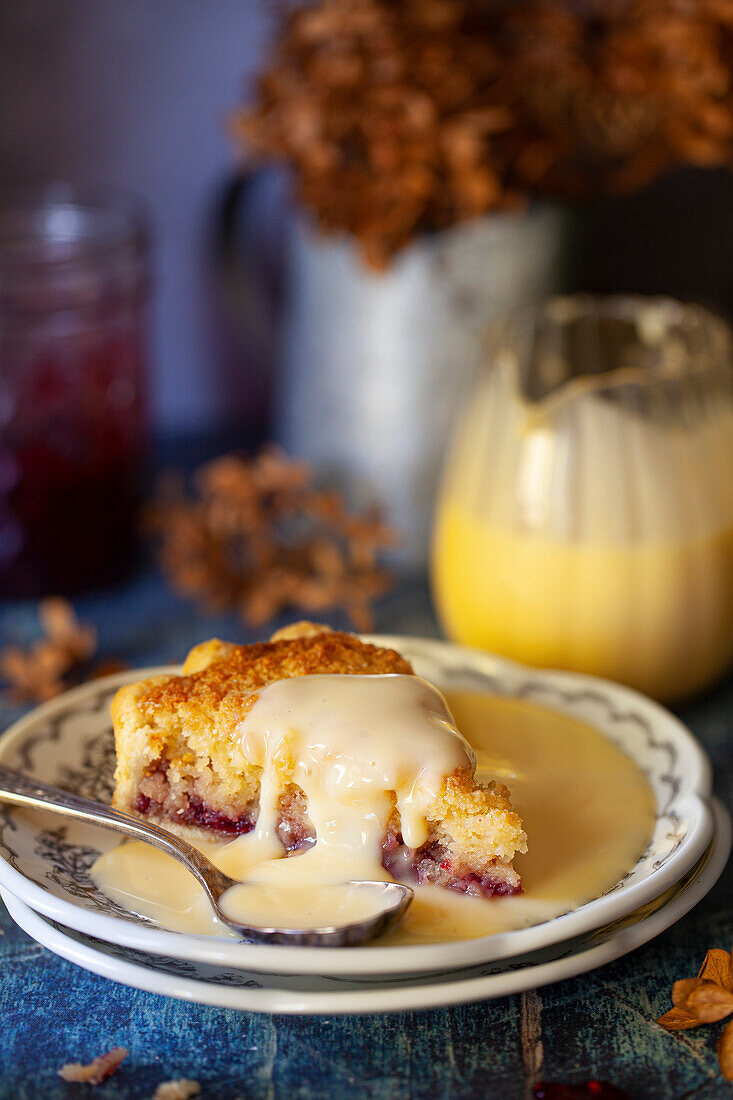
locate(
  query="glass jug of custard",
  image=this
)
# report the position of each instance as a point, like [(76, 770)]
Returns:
[(585, 516)]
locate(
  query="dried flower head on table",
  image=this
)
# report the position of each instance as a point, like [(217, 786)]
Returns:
[(48, 666), (404, 116), (257, 536)]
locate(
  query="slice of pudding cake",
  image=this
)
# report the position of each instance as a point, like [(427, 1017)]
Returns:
[(316, 737)]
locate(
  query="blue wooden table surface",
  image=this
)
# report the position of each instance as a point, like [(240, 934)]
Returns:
[(599, 1025)]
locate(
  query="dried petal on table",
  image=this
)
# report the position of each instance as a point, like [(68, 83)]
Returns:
[(678, 1019), (717, 968), (182, 1089), (96, 1071), (709, 1003), (682, 989)]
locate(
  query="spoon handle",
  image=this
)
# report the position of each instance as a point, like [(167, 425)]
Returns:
[(22, 790)]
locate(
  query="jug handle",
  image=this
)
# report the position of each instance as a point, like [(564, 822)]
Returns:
[(250, 303)]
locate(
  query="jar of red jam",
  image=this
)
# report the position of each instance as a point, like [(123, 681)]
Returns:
[(73, 418)]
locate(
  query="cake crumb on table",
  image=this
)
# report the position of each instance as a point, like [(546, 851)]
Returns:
[(97, 1070), (181, 1089)]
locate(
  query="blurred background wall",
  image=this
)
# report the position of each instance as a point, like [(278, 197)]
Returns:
[(136, 93)]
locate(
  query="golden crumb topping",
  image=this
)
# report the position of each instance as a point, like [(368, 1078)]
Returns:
[(239, 670)]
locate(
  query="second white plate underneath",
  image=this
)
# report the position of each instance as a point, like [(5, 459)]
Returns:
[(309, 994)]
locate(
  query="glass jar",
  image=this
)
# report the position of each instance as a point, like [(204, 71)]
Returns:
[(73, 425), (585, 518)]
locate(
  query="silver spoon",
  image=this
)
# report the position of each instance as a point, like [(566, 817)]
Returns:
[(394, 898)]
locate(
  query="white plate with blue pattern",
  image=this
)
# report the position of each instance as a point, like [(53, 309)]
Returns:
[(45, 861)]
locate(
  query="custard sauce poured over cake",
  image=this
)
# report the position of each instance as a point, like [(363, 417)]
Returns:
[(587, 809), (318, 741), (358, 747)]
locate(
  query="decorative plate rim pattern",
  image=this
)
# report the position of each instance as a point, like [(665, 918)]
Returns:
[(253, 994), (675, 764)]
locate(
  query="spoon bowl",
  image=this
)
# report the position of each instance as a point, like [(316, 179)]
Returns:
[(392, 898)]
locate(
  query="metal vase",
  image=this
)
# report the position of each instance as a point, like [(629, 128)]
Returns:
[(374, 365)]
